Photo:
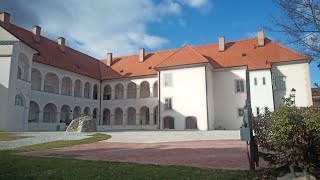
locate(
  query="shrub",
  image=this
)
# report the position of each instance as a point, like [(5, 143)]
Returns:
[(290, 136)]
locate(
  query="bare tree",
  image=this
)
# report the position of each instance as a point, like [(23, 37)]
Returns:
[(300, 22)]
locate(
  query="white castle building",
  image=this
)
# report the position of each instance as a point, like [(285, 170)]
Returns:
[(45, 84)]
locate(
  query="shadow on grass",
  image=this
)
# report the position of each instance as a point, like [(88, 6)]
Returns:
[(9, 136)]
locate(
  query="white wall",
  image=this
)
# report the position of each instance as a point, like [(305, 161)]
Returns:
[(261, 95), (226, 99), (188, 95), (297, 77), (210, 96)]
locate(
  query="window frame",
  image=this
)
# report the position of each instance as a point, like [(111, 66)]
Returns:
[(236, 85), (240, 110), (264, 81), (19, 100), (165, 82), (165, 104), (255, 81)]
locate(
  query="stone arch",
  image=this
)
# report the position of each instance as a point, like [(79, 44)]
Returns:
[(119, 91), (131, 115), (76, 112), (106, 117), (95, 91), (191, 122), (132, 90), (95, 113), (156, 115), (36, 79), (107, 90), (51, 83), (118, 116), (155, 89), (19, 100), (66, 86), (168, 122), (23, 67), (144, 115), (87, 87), (65, 114), (86, 111), (144, 89), (77, 88), (34, 110), (50, 113)]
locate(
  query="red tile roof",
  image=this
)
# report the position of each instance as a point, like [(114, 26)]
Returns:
[(237, 53)]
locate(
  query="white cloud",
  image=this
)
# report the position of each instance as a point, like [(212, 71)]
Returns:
[(203, 5), (98, 27)]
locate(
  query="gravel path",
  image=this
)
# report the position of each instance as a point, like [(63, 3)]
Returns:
[(170, 136), (41, 137)]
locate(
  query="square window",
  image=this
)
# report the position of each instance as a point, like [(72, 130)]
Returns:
[(258, 110), (255, 81), (239, 86), (264, 81), (240, 112), (279, 82), (167, 103), (167, 80), (266, 109)]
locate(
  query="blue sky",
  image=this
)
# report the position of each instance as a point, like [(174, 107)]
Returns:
[(123, 26)]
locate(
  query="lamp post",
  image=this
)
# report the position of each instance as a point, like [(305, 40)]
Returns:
[(293, 93)]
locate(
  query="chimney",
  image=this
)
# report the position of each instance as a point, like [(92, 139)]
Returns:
[(260, 38), (61, 44), (36, 33), (221, 44), (109, 59), (141, 55), (5, 17)]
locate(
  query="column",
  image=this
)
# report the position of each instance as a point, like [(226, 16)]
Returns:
[(40, 117), (137, 119), (58, 117), (151, 91), (151, 118), (98, 94), (125, 119), (60, 88), (72, 90), (82, 91), (112, 119), (29, 74), (125, 93), (138, 91), (113, 95), (42, 84)]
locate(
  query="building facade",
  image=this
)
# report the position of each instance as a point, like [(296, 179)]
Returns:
[(316, 96), (45, 84)]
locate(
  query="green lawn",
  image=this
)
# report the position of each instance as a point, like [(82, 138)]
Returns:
[(8, 136), (14, 166)]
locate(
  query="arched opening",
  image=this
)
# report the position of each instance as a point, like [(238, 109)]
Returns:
[(156, 115), (106, 117), (66, 86), (86, 111), (50, 113), (23, 67), (119, 91), (35, 79), (33, 112), (144, 89), (51, 83), (95, 113), (144, 115), (95, 91), (19, 100), (191, 122), (65, 114), (168, 122), (132, 91), (107, 92), (77, 88), (118, 116), (131, 116), (155, 89), (76, 112), (87, 87), (19, 73)]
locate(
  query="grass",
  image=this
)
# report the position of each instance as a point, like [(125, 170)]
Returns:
[(8, 136), (25, 167), (63, 143)]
